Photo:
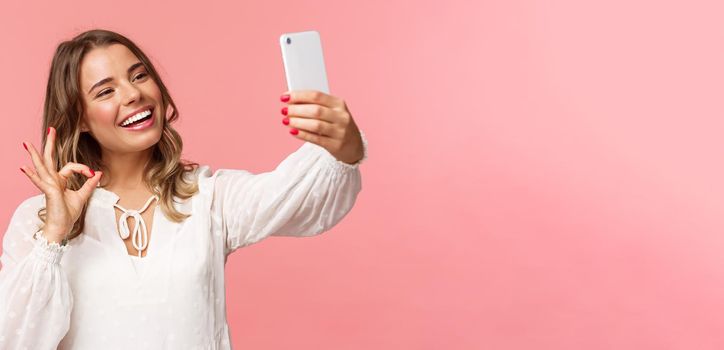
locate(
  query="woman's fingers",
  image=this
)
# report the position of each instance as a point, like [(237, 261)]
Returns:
[(316, 97), (312, 111), (68, 170), (318, 127), (71, 168), (48, 151), (40, 169), (87, 189), (35, 179)]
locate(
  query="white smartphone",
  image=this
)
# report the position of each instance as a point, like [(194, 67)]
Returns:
[(304, 61)]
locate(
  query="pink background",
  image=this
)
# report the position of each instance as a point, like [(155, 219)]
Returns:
[(542, 174)]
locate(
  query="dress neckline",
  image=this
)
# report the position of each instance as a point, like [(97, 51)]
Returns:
[(108, 196), (139, 236)]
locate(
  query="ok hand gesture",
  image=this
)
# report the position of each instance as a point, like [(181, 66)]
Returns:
[(63, 206)]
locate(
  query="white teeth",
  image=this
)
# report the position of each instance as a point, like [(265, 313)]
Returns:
[(136, 117)]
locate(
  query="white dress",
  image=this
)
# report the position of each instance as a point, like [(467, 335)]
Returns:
[(91, 294)]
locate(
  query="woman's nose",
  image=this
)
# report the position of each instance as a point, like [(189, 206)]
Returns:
[(131, 93)]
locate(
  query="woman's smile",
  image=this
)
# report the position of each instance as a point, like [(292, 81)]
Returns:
[(140, 119)]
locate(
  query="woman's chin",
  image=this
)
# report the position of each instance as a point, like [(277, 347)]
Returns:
[(143, 138)]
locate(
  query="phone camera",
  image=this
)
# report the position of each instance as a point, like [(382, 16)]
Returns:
[(289, 40)]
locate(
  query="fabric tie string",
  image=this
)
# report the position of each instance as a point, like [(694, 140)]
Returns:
[(140, 233)]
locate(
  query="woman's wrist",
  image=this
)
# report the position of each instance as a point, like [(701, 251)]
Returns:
[(55, 236), (50, 252)]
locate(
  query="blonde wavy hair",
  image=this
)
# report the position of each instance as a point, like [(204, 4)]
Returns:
[(64, 108)]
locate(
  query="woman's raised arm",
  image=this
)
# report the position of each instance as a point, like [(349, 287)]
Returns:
[(309, 192)]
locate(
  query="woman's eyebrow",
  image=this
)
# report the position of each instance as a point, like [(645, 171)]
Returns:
[(103, 81)]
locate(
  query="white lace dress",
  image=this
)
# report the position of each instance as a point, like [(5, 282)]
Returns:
[(91, 294)]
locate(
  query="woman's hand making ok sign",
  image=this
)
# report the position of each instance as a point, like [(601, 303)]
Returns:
[(63, 206)]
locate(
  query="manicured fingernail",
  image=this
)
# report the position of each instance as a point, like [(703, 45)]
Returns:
[(21, 169), (48, 130), (26, 146), (285, 98), (284, 110), (285, 121), (294, 131), (93, 173)]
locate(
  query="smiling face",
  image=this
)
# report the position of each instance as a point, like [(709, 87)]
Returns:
[(115, 85)]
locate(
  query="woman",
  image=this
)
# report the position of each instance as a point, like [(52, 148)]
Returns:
[(109, 155)]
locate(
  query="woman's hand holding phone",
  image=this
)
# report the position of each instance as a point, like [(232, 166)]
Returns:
[(63, 206), (324, 120)]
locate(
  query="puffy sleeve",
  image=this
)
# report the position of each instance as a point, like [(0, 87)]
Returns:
[(306, 194), (35, 296)]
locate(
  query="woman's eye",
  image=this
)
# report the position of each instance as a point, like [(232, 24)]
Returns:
[(104, 92), (140, 75)]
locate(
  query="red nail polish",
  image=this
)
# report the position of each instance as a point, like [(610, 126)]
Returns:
[(26, 146), (294, 131), (48, 130), (285, 98), (284, 110), (285, 121), (21, 169), (93, 173)]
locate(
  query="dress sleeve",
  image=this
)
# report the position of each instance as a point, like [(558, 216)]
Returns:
[(309, 192), (35, 296)]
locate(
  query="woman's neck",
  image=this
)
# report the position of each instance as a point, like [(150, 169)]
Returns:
[(125, 172)]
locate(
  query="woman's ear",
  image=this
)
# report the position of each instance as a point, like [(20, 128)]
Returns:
[(83, 127)]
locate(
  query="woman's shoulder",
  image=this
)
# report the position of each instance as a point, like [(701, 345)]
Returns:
[(205, 172), (28, 207), (33, 202), (207, 177)]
